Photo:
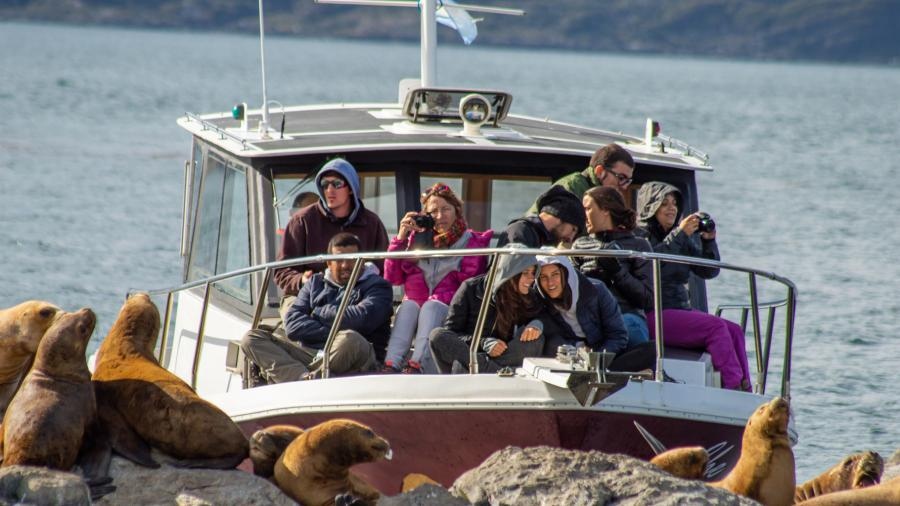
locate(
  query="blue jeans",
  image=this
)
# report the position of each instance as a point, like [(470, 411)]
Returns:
[(637, 329)]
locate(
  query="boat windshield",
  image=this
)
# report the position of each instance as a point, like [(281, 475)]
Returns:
[(491, 201)]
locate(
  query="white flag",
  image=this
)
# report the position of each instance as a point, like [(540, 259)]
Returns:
[(449, 14)]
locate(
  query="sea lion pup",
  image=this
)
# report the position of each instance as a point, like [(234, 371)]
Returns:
[(21, 329), (142, 404), (859, 470), (267, 445), (688, 463), (53, 415), (413, 481), (876, 495), (765, 470), (315, 467)]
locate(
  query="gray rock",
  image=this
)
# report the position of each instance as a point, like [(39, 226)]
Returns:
[(425, 495), (39, 485), (189, 487), (543, 475)]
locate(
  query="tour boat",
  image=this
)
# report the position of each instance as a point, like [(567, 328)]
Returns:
[(247, 166)]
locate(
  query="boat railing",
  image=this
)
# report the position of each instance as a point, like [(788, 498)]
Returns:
[(763, 344)]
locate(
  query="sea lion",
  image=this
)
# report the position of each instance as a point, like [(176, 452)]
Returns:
[(267, 445), (413, 481), (877, 495), (856, 471), (144, 404), (765, 470), (21, 329), (314, 468), (688, 463), (53, 415)]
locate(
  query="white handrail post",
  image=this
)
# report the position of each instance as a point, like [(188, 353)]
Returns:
[(428, 15)]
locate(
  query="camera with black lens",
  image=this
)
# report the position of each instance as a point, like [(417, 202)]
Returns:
[(424, 221), (706, 223)]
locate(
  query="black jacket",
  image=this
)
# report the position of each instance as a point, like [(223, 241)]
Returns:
[(632, 284), (529, 231), (675, 277)]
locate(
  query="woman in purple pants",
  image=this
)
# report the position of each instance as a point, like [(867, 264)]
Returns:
[(659, 211)]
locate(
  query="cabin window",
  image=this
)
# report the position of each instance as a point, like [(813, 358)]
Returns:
[(491, 201), (379, 195), (222, 232)]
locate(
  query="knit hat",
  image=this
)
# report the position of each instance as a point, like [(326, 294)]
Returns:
[(563, 204)]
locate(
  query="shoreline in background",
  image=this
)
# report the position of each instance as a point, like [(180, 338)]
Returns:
[(755, 30)]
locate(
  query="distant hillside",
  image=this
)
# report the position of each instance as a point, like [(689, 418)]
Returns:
[(825, 30)]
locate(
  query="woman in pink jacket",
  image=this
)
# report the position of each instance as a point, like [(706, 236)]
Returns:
[(429, 284)]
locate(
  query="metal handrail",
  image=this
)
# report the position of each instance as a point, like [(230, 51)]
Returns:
[(655, 258)]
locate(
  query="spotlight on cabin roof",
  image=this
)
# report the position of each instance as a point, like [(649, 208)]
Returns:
[(446, 104)]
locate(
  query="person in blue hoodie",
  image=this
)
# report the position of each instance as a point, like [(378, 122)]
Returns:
[(364, 331), (338, 209)]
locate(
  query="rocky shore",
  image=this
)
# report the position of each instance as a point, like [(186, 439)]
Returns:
[(529, 476)]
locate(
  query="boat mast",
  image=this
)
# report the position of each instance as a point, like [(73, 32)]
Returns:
[(264, 122), (428, 44)]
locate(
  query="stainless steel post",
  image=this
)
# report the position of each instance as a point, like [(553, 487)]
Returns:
[(202, 328), (482, 313), (336, 325), (657, 317)]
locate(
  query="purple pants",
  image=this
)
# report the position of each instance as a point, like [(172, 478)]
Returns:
[(722, 339)]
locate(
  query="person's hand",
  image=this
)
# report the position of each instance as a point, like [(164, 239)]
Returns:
[(306, 276), (497, 350), (689, 224), (407, 225), (529, 334)]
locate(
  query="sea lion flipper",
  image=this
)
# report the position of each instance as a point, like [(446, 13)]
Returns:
[(98, 491), (95, 456), (123, 439), (212, 463)]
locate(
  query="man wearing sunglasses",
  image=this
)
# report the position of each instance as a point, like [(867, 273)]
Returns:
[(338, 209), (610, 166)]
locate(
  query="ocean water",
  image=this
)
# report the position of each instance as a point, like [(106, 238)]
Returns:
[(806, 156)]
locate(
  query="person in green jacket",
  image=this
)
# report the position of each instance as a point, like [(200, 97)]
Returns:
[(611, 166)]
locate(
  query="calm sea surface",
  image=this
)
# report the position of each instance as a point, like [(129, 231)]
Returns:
[(807, 163)]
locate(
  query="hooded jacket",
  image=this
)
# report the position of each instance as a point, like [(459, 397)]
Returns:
[(675, 277), (412, 275), (310, 229), (463, 314), (368, 312), (593, 307), (632, 285)]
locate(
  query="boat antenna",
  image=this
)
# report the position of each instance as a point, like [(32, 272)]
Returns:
[(428, 27), (264, 122)]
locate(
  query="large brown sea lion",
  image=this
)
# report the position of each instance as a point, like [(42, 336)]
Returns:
[(887, 493), (267, 445), (143, 404), (856, 471), (688, 463), (21, 329), (315, 466), (765, 470), (52, 418)]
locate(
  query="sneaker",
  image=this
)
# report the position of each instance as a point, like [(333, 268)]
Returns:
[(389, 368), (412, 367), (255, 378)]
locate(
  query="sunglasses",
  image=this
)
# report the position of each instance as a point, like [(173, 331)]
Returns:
[(621, 178), (337, 184)]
